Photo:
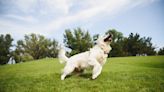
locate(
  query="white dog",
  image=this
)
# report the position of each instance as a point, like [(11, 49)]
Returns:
[(95, 57)]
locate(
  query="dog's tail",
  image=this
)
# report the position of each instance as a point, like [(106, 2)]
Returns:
[(62, 57)]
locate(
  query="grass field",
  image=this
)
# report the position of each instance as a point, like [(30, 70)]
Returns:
[(127, 74)]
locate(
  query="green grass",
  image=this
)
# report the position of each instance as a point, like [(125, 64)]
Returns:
[(127, 74)]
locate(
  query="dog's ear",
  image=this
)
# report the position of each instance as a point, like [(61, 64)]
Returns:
[(108, 38)]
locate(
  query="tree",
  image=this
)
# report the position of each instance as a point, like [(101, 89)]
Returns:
[(137, 45), (52, 49), (5, 44), (78, 40), (147, 46), (133, 44), (36, 47), (161, 51), (95, 37)]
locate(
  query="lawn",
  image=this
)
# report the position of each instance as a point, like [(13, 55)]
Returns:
[(123, 74)]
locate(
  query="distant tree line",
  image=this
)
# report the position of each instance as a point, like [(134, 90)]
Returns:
[(32, 47), (78, 40), (5, 44), (132, 45), (35, 46), (121, 46)]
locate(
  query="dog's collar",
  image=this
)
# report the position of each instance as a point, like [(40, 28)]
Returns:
[(106, 53), (103, 50)]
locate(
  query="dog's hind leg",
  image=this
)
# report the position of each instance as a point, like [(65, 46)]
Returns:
[(67, 71)]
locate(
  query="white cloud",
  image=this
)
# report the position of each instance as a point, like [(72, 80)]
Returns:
[(25, 6), (10, 27), (42, 6), (59, 5), (94, 9), (28, 18)]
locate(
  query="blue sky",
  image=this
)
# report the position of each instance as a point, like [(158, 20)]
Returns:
[(51, 17)]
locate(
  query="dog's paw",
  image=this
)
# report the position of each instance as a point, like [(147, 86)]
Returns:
[(94, 77), (62, 77)]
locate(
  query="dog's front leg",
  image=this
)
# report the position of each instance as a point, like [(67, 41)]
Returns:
[(96, 71), (96, 68)]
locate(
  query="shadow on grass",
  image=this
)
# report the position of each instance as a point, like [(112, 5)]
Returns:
[(86, 75), (82, 75)]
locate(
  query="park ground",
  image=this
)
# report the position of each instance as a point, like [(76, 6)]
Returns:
[(121, 74)]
